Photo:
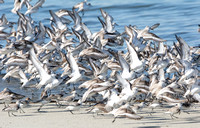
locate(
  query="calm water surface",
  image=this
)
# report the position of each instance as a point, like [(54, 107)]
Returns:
[(175, 16)]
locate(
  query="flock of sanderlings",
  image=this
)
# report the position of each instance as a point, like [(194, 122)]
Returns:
[(89, 69)]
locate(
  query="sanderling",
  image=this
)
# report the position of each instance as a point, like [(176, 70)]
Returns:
[(174, 110), (14, 108), (82, 6), (125, 111), (33, 9)]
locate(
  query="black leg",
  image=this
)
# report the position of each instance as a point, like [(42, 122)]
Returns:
[(114, 120), (71, 111), (100, 114), (83, 13), (186, 112), (40, 107), (58, 104)]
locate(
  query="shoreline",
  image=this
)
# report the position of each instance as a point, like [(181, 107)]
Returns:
[(52, 116)]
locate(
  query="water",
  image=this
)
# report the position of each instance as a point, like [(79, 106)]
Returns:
[(175, 17)]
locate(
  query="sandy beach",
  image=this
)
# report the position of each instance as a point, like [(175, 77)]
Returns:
[(120, 66), (51, 116)]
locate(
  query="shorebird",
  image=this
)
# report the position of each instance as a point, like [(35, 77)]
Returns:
[(153, 106), (26, 103), (125, 111), (193, 88), (126, 93), (56, 98), (108, 25), (87, 84), (4, 24), (93, 53), (113, 99), (95, 88), (57, 20), (34, 9), (17, 6), (75, 75), (97, 108), (82, 6), (69, 98), (8, 96), (174, 110), (161, 49), (99, 71), (17, 73), (45, 78), (126, 73), (14, 108), (136, 64), (46, 98), (74, 107), (139, 46), (77, 20), (40, 37), (87, 31), (61, 13), (183, 49), (146, 35), (43, 99)]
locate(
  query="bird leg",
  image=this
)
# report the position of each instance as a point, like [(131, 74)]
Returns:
[(13, 114), (59, 105), (100, 114), (173, 116), (82, 13), (21, 110), (71, 111), (40, 107), (32, 94), (151, 112), (186, 112), (114, 120), (5, 105)]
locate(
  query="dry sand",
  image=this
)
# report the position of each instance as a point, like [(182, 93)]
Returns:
[(53, 117)]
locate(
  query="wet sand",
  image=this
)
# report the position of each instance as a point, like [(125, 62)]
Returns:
[(51, 116)]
